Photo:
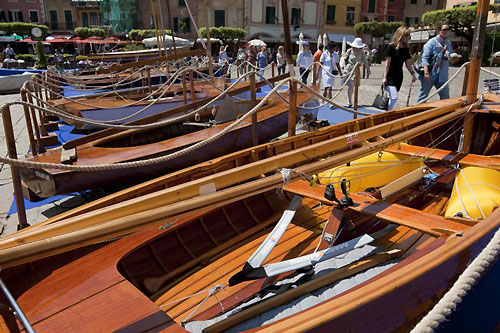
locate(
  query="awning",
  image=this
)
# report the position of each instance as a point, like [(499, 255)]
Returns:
[(337, 38)]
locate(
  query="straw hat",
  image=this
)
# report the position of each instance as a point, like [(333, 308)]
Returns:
[(357, 43)]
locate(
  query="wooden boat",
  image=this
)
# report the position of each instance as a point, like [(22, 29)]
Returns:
[(401, 246), (12, 83), (377, 259), (133, 145), (132, 105)]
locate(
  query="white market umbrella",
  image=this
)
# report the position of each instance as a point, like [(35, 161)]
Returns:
[(257, 43), (301, 39), (344, 46), (326, 40), (152, 42)]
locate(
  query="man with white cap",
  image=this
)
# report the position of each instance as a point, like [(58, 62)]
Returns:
[(304, 61), (353, 56)]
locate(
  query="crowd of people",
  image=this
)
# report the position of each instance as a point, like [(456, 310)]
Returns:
[(326, 63)]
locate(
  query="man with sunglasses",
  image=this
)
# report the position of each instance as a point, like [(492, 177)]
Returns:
[(435, 60)]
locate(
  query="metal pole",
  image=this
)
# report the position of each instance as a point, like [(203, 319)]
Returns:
[(16, 178), (19, 312)]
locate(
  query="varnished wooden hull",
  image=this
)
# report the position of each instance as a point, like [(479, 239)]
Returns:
[(51, 182)]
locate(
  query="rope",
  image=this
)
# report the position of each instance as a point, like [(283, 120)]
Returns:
[(142, 163), (444, 85), (470, 276)]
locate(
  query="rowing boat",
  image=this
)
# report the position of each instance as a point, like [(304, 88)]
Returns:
[(142, 144)]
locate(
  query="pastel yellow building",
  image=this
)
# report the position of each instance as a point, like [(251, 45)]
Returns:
[(339, 18)]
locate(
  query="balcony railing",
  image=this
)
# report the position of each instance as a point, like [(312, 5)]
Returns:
[(61, 26), (86, 3)]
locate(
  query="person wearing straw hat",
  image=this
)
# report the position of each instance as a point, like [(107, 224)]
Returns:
[(353, 56), (304, 61)]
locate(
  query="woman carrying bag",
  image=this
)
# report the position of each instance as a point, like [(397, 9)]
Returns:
[(397, 54)]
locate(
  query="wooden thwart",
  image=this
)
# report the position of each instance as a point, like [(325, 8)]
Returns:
[(394, 213)]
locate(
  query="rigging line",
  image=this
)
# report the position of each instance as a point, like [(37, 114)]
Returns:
[(472, 193)]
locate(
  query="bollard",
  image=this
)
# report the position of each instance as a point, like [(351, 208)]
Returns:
[(16, 178), (253, 98)]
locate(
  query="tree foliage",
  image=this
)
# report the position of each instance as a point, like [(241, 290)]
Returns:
[(377, 29), (41, 61), (461, 19), (84, 32), (138, 34), (225, 34), (21, 28)]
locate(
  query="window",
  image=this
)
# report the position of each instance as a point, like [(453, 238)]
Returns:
[(181, 3), (371, 6), (413, 2), (182, 24), (176, 24), (295, 19), (349, 15), (68, 17), (270, 15), (33, 16), (330, 14), (408, 21), (85, 19), (391, 18), (416, 20), (220, 18), (428, 2), (53, 19), (2, 16), (15, 16), (390, 1), (93, 19)]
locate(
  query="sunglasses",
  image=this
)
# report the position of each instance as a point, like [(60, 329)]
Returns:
[(445, 29)]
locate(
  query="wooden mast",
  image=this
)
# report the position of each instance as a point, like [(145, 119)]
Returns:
[(286, 34), (209, 44), (171, 25), (483, 7)]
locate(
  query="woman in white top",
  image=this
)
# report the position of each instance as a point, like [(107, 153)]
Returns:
[(304, 61), (330, 61), (223, 59), (281, 60)]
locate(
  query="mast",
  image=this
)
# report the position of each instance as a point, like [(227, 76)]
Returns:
[(171, 25), (286, 34), (209, 47), (483, 7)]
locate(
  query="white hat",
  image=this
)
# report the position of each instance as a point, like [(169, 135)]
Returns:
[(357, 43)]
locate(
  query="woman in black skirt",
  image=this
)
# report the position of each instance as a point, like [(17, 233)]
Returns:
[(397, 54)]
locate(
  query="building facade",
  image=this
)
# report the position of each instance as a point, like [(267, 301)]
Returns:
[(87, 12), (223, 13), (414, 9), (60, 15), (181, 23), (264, 19), (339, 18), (28, 11), (383, 10)]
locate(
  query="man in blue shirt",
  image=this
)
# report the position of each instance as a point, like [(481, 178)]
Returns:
[(435, 59)]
